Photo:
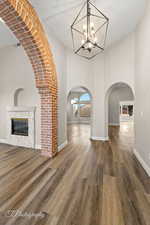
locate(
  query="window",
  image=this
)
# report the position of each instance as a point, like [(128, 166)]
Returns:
[(85, 98), (85, 110), (85, 105), (81, 106), (74, 101)]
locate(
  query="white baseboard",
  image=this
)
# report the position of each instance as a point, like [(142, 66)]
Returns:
[(100, 138), (142, 162), (71, 122), (114, 124), (3, 141), (77, 122), (38, 147), (62, 146)]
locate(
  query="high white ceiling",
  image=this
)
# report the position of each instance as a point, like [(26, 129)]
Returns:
[(59, 15)]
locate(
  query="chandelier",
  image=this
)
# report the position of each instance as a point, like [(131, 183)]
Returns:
[(89, 31)]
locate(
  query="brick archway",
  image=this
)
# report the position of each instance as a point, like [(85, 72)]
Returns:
[(23, 21)]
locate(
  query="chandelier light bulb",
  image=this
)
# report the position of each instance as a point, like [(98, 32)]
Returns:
[(90, 45), (83, 41), (84, 27), (92, 25), (95, 39), (1, 20)]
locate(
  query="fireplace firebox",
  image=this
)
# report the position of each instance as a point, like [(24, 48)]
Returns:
[(19, 126)]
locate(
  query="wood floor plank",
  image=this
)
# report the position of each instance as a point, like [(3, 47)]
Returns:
[(88, 183), (112, 209)]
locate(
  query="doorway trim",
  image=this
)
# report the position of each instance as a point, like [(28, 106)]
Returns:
[(107, 94), (89, 92)]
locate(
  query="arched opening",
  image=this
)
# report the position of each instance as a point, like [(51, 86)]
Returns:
[(23, 21), (16, 96), (119, 107), (79, 112)]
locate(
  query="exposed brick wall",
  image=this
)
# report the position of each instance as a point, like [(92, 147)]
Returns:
[(22, 19), (48, 114)]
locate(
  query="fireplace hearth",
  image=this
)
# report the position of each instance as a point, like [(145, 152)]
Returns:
[(21, 126)]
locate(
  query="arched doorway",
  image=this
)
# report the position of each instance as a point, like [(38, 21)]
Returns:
[(79, 111), (23, 21), (119, 106)]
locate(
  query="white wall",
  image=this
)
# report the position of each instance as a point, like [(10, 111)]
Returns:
[(115, 65), (79, 72), (120, 62), (142, 87), (16, 72), (89, 74), (98, 74), (60, 60)]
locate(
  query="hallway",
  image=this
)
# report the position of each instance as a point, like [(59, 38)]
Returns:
[(88, 183)]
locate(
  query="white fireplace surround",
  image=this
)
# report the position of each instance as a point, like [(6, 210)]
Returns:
[(21, 112)]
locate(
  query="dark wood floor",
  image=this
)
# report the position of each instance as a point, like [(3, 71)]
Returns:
[(89, 183)]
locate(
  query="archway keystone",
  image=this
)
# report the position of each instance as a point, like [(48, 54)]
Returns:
[(23, 21)]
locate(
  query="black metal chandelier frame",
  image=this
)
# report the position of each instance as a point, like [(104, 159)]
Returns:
[(88, 16)]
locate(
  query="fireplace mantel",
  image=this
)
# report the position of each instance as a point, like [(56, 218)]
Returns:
[(20, 109), (26, 113)]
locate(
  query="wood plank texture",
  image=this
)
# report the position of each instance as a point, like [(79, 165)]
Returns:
[(88, 183)]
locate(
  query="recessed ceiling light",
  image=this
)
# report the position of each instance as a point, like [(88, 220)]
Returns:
[(1, 20)]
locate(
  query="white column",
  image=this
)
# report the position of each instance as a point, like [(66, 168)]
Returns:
[(98, 113)]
